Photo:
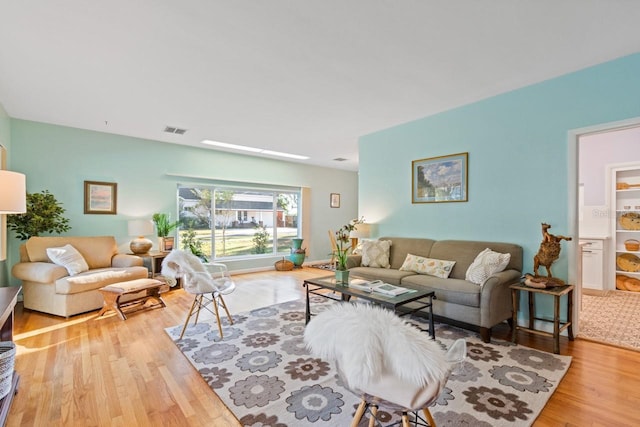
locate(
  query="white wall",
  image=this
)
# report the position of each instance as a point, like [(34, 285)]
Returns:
[(599, 150)]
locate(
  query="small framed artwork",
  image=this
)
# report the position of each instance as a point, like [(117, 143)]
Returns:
[(100, 197), (440, 179), (334, 200)]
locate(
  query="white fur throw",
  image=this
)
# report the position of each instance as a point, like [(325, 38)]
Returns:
[(189, 267), (367, 341)]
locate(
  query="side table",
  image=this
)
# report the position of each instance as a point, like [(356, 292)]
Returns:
[(8, 300), (156, 261), (558, 326)]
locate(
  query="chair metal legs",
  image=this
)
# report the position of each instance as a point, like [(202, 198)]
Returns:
[(201, 301), (405, 420)]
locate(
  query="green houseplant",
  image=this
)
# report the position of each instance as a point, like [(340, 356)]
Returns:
[(44, 215), (343, 249), (164, 226), (191, 243)]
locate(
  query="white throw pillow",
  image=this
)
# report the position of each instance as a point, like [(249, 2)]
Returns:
[(68, 257), (486, 264), (429, 266), (375, 253)]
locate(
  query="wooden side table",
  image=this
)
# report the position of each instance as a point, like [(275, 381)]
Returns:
[(558, 326), (8, 300), (155, 260)]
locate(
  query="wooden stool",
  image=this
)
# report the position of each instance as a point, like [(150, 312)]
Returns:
[(113, 292), (558, 326)]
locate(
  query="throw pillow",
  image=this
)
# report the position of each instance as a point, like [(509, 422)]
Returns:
[(68, 257), (486, 264), (429, 266), (375, 253)]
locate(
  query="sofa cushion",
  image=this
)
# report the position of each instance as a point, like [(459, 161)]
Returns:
[(97, 251), (430, 266), (375, 253), (68, 257), (455, 291), (95, 279), (486, 264), (401, 246), (464, 252)]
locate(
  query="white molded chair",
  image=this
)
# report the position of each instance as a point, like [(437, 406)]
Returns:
[(383, 359), (201, 280)]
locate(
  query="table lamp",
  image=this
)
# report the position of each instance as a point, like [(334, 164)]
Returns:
[(13, 200), (362, 231), (13, 192), (140, 228)]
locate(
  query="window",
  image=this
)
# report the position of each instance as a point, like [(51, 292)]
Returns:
[(227, 222)]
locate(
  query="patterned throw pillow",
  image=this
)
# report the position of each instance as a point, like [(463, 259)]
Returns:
[(375, 253), (429, 266), (486, 264), (68, 257)]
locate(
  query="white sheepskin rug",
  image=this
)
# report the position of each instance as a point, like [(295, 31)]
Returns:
[(368, 341), (197, 278)]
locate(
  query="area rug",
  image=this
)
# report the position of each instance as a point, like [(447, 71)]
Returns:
[(264, 374), (612, 318)]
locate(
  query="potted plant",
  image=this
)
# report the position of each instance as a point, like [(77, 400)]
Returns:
[(164, 226), (343, 249), (44, 215), (190, 242)]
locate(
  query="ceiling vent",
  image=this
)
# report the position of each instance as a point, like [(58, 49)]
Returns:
[(177, 131), (340, 159)]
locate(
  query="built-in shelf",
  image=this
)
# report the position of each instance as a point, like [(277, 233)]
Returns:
[(624, 201)]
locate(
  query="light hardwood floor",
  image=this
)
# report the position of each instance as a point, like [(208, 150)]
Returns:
[(85, 371)]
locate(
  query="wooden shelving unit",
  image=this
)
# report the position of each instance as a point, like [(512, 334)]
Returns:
[(626, 201)]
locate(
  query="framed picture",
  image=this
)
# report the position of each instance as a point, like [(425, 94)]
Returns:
[(100, 197), (440, 179), (334, 200)]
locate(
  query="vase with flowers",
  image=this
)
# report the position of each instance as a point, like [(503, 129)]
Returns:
[(343, 249)]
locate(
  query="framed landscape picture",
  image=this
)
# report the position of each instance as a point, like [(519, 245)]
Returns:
[(440, 179), (100, 197)]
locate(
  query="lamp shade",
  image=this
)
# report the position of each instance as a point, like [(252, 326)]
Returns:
[(140, 228), (362, 231), (13, 192)]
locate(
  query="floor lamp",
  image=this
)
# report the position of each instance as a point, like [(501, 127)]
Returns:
[(13, 200)]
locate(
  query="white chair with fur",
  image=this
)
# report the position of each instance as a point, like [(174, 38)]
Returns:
[(201, 280), (383, 359)]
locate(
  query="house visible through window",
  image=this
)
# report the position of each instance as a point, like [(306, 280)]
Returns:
[(225, 222)]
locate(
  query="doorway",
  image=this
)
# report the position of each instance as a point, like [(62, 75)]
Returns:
[(596, 149)]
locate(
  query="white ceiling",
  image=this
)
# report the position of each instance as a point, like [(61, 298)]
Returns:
[(306, 77)]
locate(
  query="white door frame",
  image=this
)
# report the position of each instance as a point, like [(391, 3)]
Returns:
[(573, 170)]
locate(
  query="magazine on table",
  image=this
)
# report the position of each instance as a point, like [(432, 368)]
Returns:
[(378, 286)]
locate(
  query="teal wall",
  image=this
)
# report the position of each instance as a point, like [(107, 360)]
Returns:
[(60, 159), (520, 165)]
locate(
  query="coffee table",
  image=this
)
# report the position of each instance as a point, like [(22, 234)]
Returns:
[(422, 298)]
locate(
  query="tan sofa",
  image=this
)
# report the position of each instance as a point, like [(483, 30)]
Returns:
[(49, 288), (457, 300)]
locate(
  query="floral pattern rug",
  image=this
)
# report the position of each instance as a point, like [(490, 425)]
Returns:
[(266, 376)]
